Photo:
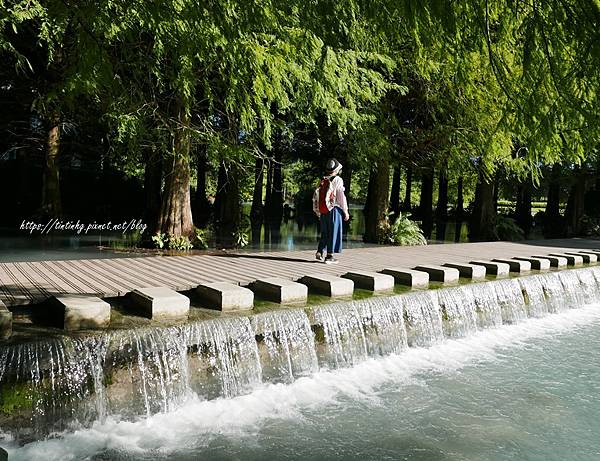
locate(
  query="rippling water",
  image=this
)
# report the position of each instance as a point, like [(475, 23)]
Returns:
[(525, 391)]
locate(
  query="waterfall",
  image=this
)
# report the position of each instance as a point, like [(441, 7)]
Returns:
[(53, 381), (554, 291), (458, 312), (511, 300), (353, 331), (65, 381), (486, 304), (572, 288), (289, 343), (533, 289), (225, 350), (423, 318)]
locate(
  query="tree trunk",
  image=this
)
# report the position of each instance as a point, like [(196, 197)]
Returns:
[(275, 210), (227, 204), (496, 191), (256, 212), (269, 188), (553, 222), (202, 205), (377, 202), (575, 204), (523, 207), (51, 201), (460, 205), (176, 211), (407, 195), (395, 194), (347, 177), (426, 202), (152, 191), (441, 210), (483, 221)]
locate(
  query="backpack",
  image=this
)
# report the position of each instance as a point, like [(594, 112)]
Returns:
[(326, 196)]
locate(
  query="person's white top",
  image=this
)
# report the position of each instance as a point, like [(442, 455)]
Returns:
[(337, 184)]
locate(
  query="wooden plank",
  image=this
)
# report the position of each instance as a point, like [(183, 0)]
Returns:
[(20, 293), (94, 285), (77, 287), (60, 286)]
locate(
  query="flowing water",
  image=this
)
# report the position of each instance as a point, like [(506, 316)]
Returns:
[(507, 365)]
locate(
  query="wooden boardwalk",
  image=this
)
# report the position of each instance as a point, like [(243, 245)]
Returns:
[(24, 283)]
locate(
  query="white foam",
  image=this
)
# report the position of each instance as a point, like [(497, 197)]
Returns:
[(197, 422)]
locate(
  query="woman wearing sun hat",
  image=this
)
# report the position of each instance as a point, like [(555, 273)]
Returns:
[(331, 206)]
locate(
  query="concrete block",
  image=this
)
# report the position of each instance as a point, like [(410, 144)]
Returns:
[(408, 277), (281, 290), (81, 312), (572, 260), (515, 265), (540, 264), (494, 267), (226, 296), (440, 273), (555, 261), (161, 302), (329, 285), (470, 271), (373, 281), (588, 258), (5, 322)]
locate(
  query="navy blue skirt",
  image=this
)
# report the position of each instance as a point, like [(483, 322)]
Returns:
[(331, 231)]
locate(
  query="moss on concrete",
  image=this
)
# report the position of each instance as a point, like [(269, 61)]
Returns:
[(15, 398)]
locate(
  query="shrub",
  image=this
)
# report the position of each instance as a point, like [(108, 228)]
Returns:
[(403, 232), (508, 229), (200, 239), (181, 243), (159, 240)]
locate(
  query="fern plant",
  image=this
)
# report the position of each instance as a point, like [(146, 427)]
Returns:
[(404, 231), (508, 229), (200, 239)]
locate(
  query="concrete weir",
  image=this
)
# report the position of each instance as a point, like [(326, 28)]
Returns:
[(588, 258), (373, 281), (470, 271), (494, 267), (515, 265), (555, 261), (281, 290), (408, 277), (440, 273), (572, 259), (539, 264), (81, 312), (329, 285), (5, 322), (161, 302), (225, 296)]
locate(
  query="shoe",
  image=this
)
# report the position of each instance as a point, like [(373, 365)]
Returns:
[(329, 259), (319, 256)]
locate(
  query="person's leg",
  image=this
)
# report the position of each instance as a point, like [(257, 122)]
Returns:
[(323, 240), (338, 223), (329, 232)]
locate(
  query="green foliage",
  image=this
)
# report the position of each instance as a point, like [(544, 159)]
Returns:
[(200, 239), (240, 239), (179, 243), (160, 240), (508, 229), (403, 232)]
